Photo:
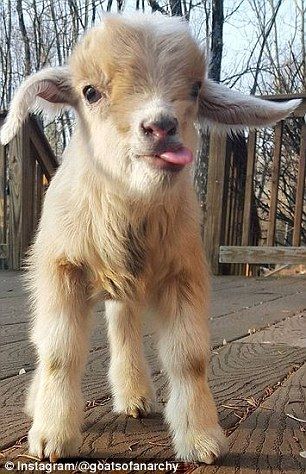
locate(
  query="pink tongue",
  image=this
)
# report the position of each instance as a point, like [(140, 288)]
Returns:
[(183, 156)]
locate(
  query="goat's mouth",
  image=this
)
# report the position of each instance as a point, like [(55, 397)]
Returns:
[(170, 160)]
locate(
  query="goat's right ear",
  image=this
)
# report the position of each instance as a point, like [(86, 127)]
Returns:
[(48, 92), (228, 110)]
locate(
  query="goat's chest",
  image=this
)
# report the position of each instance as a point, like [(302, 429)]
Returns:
[(132, 257), (122, 263)]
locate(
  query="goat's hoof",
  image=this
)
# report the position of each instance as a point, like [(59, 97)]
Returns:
[(46, 444), (206, 447), (136, 407)]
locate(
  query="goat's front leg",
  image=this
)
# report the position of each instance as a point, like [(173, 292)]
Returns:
[(60, 334), (184, 349), (129, 375)]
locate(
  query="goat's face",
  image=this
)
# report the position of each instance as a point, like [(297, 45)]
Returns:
[(138, 85)]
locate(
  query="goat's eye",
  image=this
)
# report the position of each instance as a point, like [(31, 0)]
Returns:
[(91, 94), (195, 90)]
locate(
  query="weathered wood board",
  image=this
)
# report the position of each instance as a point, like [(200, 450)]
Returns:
[(266, 254), (240, 323), (238, 371), (291, 331), (269, 441), (242, 373)]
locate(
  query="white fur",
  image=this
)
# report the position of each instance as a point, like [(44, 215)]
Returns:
[(129, 375), (157, 22), (226, 110), (26, 100)]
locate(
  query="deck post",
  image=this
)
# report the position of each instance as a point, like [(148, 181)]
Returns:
[(275, 182), (249, 188), (3, 205), (299, 198), (21, 169), (214, 221)]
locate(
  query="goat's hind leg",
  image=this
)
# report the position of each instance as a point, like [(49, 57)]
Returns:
[(129, 375), (60, 334)]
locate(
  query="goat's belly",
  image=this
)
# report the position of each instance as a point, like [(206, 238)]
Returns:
[(120, 285)]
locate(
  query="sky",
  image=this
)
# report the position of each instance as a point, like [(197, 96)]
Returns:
[(241, 31)]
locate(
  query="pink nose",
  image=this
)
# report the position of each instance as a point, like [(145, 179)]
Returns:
[(160, 129)]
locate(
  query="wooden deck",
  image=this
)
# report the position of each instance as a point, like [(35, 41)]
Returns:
[(257, 375)]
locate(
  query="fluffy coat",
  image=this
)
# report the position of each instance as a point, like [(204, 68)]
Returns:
[(121, 223)]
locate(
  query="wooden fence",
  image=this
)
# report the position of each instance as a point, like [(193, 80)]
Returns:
[(27, 164), (232, 228), (231, 223)]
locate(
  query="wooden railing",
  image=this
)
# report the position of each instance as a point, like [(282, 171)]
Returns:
[(27, 164), (232, 230), (231, 224)]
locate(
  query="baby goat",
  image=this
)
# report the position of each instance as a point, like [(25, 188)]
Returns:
[(121, 222)]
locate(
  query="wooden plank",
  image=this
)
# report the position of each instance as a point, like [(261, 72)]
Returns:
[(269, 440), (21, 185), (258, 255), (10, 283), (15, 180), (291, 331), (233, 203), (3, 251), (248, 296), (225, 283), (282, 97), (248, 194), (108, 434), (299, 198), (228, 194), (11, 333), (45, 155), (39, 194), (275, 182), (215, 196), (27, 192), (3, 206), (238, 324)]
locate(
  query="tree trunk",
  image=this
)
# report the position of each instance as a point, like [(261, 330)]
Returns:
[(26, 42), (176, 8), (216, 39)]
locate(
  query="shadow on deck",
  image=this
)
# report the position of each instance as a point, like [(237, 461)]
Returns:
[(257, 376)]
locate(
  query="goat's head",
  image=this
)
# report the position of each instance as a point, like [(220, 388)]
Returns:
[(138, 82), (139, 86)]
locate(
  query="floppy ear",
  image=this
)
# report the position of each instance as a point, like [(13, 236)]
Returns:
[(48, 92), (229, 110)]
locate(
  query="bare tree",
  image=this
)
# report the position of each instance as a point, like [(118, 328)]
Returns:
[(216, 39), (26, 41), (176, 7)]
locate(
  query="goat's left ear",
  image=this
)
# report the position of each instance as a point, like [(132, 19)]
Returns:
[(229, 110), (48, 92)]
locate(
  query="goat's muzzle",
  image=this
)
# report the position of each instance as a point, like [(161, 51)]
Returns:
[(160, 138), (159, 129)]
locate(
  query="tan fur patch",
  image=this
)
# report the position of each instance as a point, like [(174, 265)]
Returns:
[(196, 367), (71, 275), (54, 364)]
